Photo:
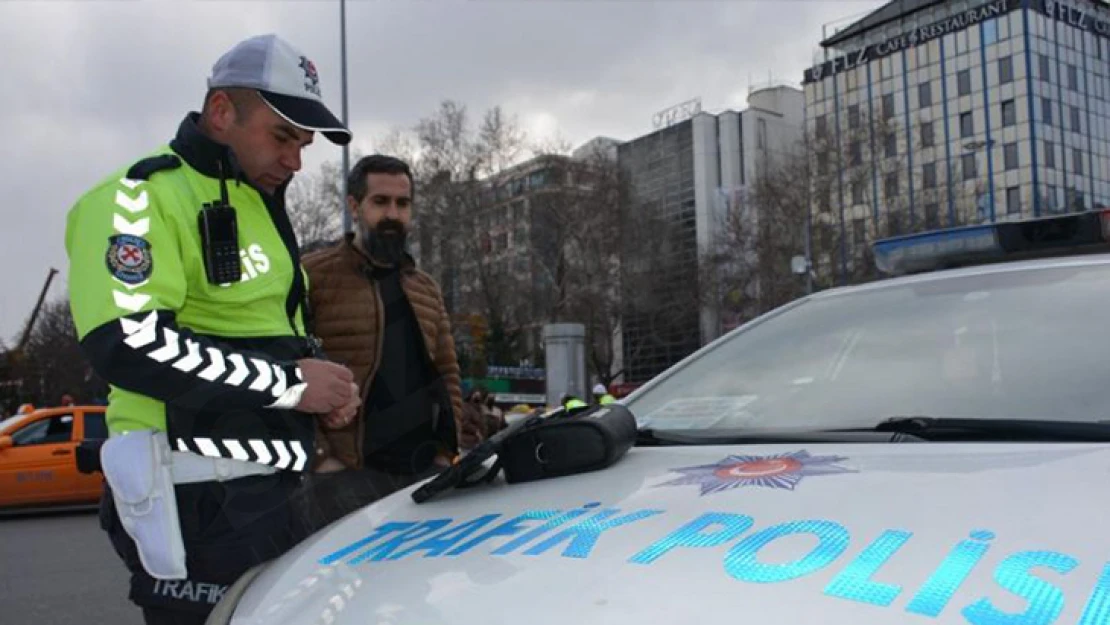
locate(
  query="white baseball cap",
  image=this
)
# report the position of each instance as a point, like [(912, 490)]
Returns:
[(285, 78), (599, 389)]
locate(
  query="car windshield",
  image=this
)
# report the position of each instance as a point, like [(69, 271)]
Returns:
[(5, 423), (1021, 343)]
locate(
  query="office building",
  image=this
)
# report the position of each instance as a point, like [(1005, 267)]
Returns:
[(683, 176), (949, 113)]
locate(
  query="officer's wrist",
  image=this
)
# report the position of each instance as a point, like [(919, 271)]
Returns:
[(294, 388)]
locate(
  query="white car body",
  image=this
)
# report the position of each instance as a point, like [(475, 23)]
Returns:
[(891, 534), (845, 533)]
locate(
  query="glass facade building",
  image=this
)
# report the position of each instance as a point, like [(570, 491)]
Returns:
[(966, 111)]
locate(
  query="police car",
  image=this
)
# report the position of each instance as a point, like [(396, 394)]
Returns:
[(929, 448)]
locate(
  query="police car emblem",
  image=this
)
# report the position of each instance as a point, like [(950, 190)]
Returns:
[(781, 471), (129, 258)]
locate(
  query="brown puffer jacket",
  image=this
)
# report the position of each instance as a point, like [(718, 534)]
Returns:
[(348, 320)]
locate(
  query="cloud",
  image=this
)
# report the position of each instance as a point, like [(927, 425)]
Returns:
[(93, 85)]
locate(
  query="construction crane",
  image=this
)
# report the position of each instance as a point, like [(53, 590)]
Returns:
[(10, 360), (16, 354)]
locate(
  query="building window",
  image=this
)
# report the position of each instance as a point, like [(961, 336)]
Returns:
[(853, 116), (928, 134), (929, 176), (822, 126), (855, 153), (1077, 161), (894, 223), (890, 185), (891, 144), (857, 192), (1006, 70), (859, 231), (1049, 155), (1009, 113), (967, 125), (963, 82), (1046, 68), (1046, 111), (822, 164), (1013, 200), (1053, 199), (932, 215), (761, 134), (990, 32), (1073, 78), (1076, 201), (1010, 156), (1075, 126), (967, 165), (928, 139), (888, 106), (925, 94)]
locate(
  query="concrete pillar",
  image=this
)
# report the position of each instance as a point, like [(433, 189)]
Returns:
[(565, 351)]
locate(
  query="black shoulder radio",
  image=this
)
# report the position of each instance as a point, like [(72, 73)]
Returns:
[(219, 235)]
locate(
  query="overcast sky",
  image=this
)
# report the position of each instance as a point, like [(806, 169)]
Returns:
[(90, 86)]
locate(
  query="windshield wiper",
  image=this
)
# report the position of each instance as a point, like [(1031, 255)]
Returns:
[(942, 428), (902, 429), (648, 437)]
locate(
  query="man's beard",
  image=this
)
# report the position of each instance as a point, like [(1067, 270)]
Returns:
[(385, 242)]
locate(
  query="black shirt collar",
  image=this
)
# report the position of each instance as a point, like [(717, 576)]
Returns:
[(204, 154)]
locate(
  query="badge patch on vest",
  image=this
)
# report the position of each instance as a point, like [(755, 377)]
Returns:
[(129, 258)]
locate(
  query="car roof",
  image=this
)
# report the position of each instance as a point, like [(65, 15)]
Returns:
[(1015, 266)]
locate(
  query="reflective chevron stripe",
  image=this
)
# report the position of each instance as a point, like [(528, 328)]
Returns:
[(167, 346), (276, 453)]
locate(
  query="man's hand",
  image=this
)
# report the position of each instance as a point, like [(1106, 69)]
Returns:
[(342, 417), (328, 386), (330, 465)]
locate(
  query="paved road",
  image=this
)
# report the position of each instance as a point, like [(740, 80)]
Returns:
[(59, 569)]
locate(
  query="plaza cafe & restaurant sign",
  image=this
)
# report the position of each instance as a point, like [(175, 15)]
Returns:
[(1060, 11)]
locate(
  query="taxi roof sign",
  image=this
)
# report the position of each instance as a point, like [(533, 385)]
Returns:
[(970, 245)]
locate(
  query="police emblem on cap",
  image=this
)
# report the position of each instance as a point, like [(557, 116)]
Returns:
[(311, 78), (129, 258)]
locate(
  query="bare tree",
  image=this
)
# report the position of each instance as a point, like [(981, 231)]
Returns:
[(316, 205), (52, 364), (578, 222), (826, 200), (457, 167)]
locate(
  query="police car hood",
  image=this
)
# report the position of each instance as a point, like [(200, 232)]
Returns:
[(861, 533)]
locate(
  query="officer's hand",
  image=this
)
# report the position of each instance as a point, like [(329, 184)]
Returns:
[(342, 417), (328, 386)]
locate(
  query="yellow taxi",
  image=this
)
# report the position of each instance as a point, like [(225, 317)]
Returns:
[(38, 464)]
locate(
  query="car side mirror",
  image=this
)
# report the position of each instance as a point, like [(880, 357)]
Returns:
[(6, 442)]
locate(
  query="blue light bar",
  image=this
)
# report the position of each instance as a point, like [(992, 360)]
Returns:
[(932, 250)]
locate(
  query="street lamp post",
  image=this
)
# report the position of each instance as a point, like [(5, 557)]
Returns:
[(346, 122)]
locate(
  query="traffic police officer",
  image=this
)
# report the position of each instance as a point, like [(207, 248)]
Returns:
[(602, 396), (187, 293)]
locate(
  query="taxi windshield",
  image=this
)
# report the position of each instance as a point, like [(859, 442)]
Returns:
[(1010, 343), (5, 423)]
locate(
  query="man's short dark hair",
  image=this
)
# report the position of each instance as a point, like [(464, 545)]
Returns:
[(243, 100), (358, 179)]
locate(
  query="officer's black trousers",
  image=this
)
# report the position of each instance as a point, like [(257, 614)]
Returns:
[(228, 527)]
